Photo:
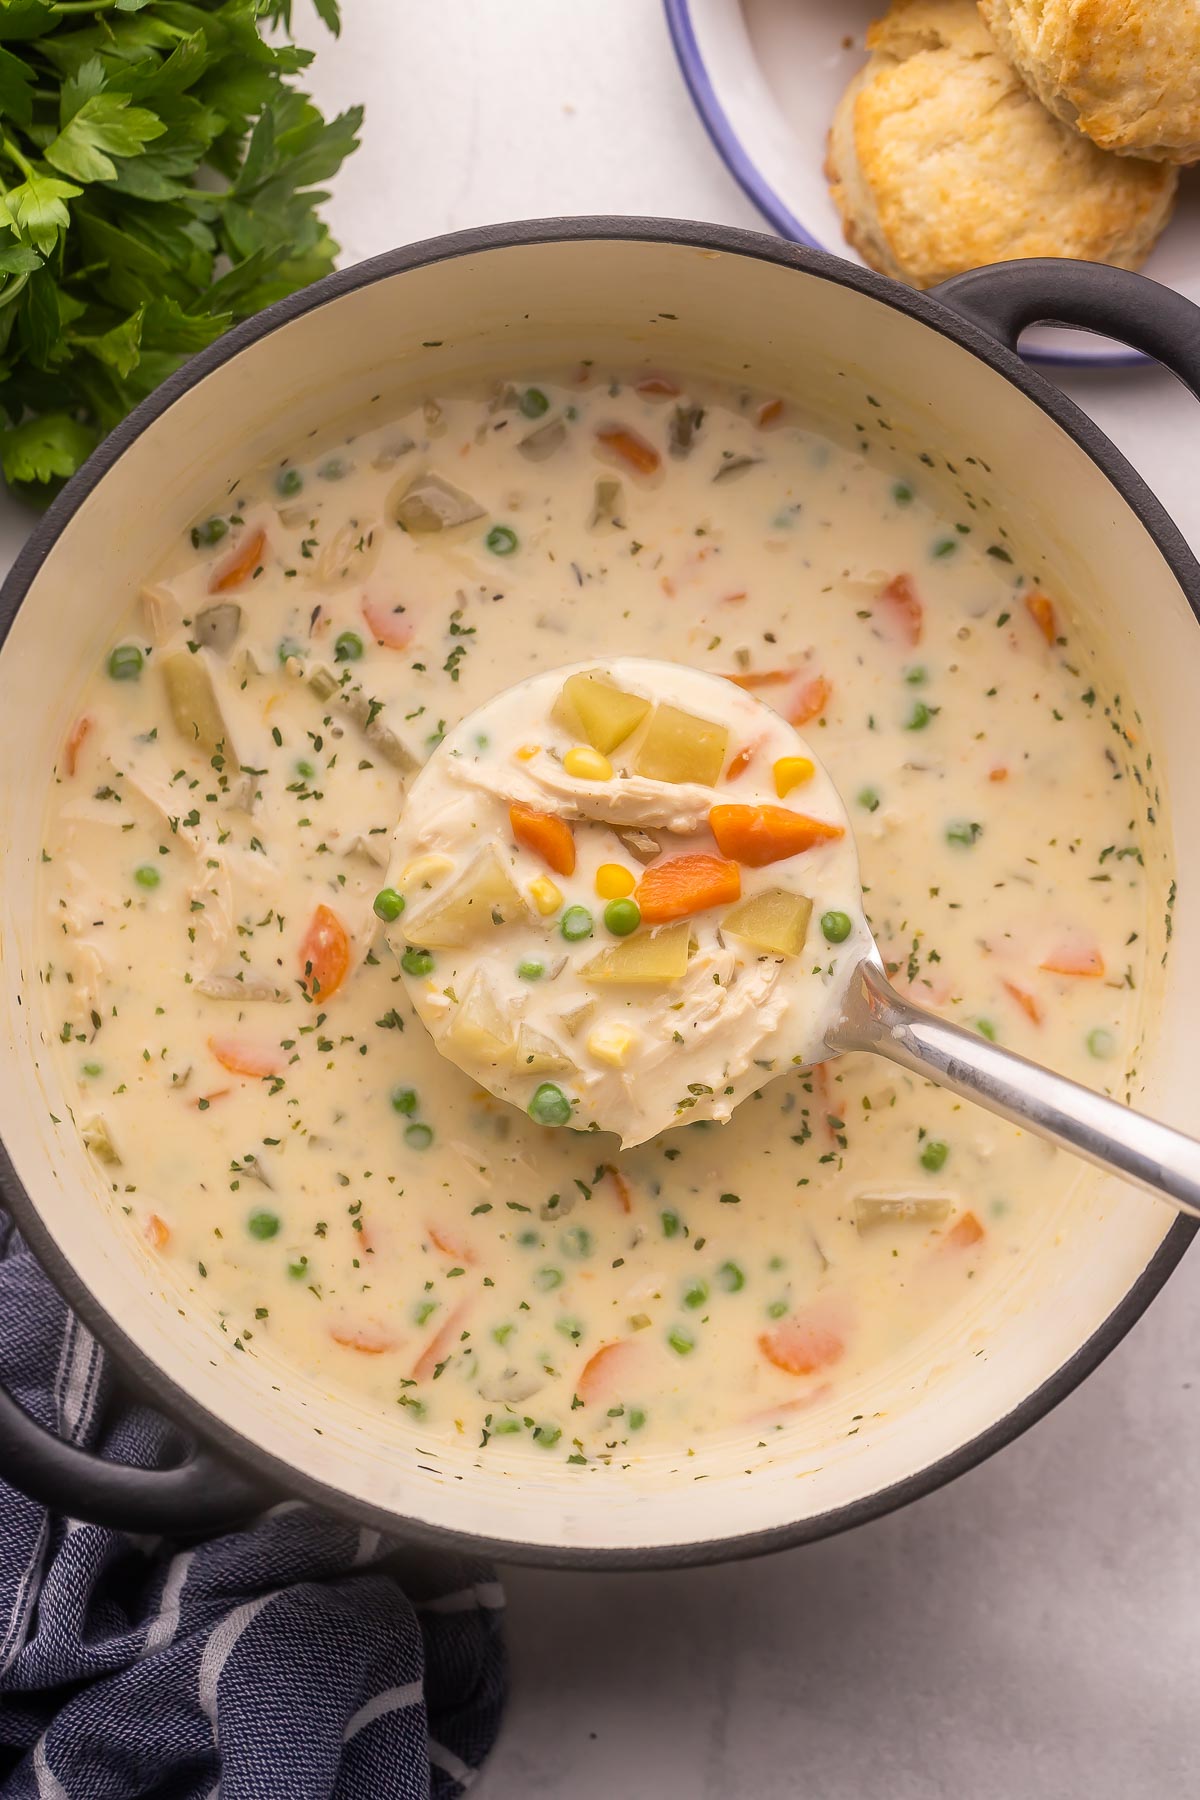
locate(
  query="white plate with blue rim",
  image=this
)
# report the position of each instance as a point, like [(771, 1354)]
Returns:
[(766, 77)]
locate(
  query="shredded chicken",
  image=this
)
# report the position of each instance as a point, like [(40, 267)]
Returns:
[(680, 807)]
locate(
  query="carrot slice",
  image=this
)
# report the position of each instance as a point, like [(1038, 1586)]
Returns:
[(1074, 959), (763, 678), (325, 954), (1040, 608), (808, 1341), (245, 1059), (770, 412), (630, 449), (74, 743), (388, 624), (811, 701), (368, 1340), (158, 1232), (740, 761), (438, 1347), (605, 1367), (1028, 1005), (449, 1244), (757, 835), (550, 838), (904, 610), (657, 387), (684, 885), (964, 1232), (240, 564), (998, 774), (624, 1195)]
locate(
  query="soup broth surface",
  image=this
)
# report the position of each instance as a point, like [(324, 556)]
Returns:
[(233, 1027)]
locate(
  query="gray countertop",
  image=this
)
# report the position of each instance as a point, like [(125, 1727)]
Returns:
[(1033, 1629)]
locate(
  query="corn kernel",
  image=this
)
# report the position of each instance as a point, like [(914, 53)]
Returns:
[(586, 764), (612, 1044), (527, 752), (790, 772), (546, 896), (613, 882), (424, 869)]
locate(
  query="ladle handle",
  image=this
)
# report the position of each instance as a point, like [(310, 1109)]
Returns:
[(875, 1017)]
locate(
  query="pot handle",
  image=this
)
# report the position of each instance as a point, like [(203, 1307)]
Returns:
[(1006, 297), (200, 1496)]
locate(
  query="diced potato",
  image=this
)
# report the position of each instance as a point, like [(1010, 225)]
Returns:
[(540, 1055), (650, 956), (774, 920), (194, 705), (680, 747), (482, 898), (479, 1030), (574, 1021), (217, 626), (430, 503), (871, 1210), (593, 709), (613, 1043)]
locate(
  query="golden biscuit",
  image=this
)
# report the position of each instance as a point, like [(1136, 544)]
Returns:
[(1124, 72), (940, 160)]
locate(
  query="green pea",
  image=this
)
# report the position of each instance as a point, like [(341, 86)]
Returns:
[(288, 482), (262, 1225), (92, 1069), (945, 547), (529, 1240), (986, 1029), (501, 540), (533, 403), (963, 832), (695, 1293), (916, 677), (125, 663), (417, 962), (502, 1333), (347, 647), (635, 1418), (1101, 1043), (836, 927), (547, 1435), (622, 916), (670, 1224), (902, 494), (918, 718), (298, 1269), (546, 1280), (777, 1309), (287, 648), (211, 532), (305, 769), (577, 1242), (335, 468), (576, 924), (388, 905), (934, 1154), (570, 1328), (731, 1277), (868, 797), (531, 971), (418, 1137), (404, 1100), (147, 876), (681, 1342), (550, 1105), (503, 1427)]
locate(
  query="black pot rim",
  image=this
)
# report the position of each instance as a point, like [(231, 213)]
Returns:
[(162, 1390)]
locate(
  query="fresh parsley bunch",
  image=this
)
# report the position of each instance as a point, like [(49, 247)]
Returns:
[(159, 179)]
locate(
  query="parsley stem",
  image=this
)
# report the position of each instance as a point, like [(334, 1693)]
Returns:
[(14, 155)]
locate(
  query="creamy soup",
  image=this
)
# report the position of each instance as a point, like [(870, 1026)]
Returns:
[(240, 1034)]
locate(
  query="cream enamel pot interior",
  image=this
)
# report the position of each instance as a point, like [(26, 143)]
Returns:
[(944, 382)]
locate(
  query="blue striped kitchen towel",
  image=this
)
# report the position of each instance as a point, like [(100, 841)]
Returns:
[(298, 1659)]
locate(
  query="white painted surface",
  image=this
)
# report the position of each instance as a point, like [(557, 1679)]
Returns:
[(1031, 1630)]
